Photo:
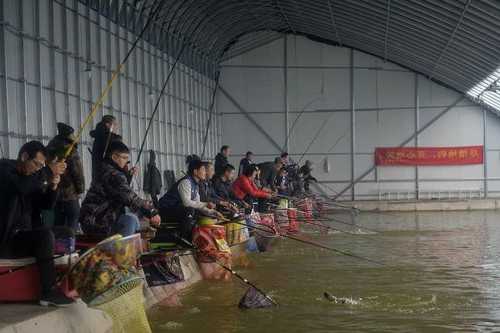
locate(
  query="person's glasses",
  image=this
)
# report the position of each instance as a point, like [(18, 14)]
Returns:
[(37, 164), (123, 157)]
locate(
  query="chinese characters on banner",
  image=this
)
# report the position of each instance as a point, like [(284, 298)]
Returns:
[(429, 155)]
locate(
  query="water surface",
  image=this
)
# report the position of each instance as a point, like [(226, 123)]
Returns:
[(441, 274)]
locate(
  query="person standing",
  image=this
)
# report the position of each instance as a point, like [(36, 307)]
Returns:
[(221, 160), (103, 134), (245, 162), (152, 179), (72, 185)]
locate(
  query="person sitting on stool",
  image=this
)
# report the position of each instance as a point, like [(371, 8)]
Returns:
[(182, 203), (111, 206), (27, 188)]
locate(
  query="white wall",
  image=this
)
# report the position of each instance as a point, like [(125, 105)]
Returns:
[(45, 48), (384, 102)]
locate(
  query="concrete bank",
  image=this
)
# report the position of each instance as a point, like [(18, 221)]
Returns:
[(78, 318), (426, 205)]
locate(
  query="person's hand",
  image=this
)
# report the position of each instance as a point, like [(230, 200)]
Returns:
[(134, 171), (211, 205), (220, 216), (225, 204), (155, 221), (57, 167), (54, 181), (246, 205)]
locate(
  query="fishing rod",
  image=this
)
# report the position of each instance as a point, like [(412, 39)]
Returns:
[(212, 103), (183, 47), (233, 273), (314, 139), (313, 243), (154, 13)]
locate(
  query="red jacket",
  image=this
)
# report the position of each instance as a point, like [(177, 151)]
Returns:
[(244, 186)]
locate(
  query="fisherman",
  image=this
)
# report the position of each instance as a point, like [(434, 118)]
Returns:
[(152, 179), (207, 189), (305, 171), (221, 159), (103, 134), (282, 182), (182, 203), (244, 187), (72, 185), (269, 172), (285, 159), (111, 206), (245, 162), (28, 186), (222, 186)]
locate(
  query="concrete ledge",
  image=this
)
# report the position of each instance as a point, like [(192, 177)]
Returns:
[(426, 205), (28, 318)]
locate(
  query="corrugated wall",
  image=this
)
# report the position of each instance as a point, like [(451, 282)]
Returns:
[(353, 103), (55, 59)]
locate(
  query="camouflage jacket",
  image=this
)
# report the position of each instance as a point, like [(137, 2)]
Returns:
[(106, 200)]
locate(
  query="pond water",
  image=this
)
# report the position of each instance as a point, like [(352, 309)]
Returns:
[(441, 274)]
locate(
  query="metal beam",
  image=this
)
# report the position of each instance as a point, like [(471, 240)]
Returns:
[(285, 91), (423, 128), (417, 124), (450, 39), (353, 127), (485, 154), (387, 23), (250, 118)]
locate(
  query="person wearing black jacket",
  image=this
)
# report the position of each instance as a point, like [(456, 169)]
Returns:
[(103, 135), (269, 172), (28, 187), (221, 160), (72, 183), (152, 179), (222, 186), (245, 162), (306, 172)]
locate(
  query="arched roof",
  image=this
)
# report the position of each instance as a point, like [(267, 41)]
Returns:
[(453, 42)]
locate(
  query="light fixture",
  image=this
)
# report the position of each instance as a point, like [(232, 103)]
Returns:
[(88, 70)]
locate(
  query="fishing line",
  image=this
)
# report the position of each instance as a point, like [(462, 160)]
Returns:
[(234, 273), (313, 243), (152, 17), (212, 103), (183, 47)]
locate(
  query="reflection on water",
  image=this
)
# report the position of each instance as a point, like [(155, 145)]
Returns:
[(441, 275)]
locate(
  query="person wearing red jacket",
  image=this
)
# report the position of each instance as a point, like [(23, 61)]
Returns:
[(245, 189)]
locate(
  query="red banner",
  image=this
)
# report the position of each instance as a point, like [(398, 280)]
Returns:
[(429, 155)]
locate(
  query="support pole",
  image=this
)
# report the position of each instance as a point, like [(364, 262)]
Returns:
[(485, 153), (417, 122), (353, 128), (285, 91)]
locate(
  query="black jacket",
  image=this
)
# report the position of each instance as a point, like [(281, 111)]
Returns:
[(152, 177), (220, 164), (268, 174), (22, 199), (244, 163), (207, 192), (102, 138), (72, 183), (107, 198)]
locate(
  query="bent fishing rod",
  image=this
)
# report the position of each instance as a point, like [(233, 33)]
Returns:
[(183, 47), (233, 272), (153, 15), (312, 243)]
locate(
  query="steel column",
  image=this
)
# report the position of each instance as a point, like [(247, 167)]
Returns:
[(417, 122), (353, 127), (7, 149), (485, 153), (285, 92)]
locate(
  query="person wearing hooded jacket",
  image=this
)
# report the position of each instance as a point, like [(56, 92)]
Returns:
[(72, 185), (103, 135), (152, 179)]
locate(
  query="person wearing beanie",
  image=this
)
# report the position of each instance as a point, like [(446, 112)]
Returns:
[(72, 183)]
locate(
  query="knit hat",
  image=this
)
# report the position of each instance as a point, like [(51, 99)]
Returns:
[(65, 130)]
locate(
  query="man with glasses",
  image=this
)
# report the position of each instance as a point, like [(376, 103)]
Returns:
[(111, 206), (27, 187)]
